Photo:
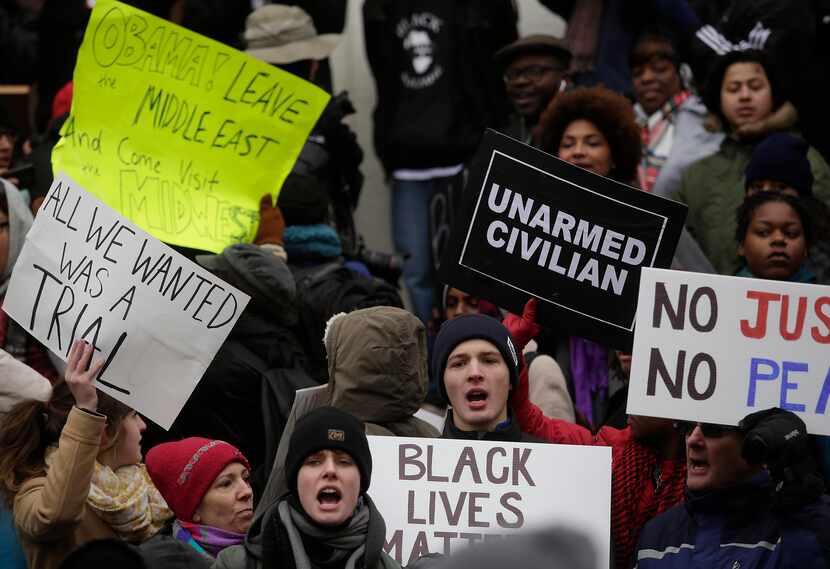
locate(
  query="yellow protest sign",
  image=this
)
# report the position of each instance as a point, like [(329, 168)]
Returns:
[(179, 133)]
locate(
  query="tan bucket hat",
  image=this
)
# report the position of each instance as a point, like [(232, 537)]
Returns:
[(284, 34)]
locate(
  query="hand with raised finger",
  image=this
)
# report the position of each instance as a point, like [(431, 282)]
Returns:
[(80, 376)]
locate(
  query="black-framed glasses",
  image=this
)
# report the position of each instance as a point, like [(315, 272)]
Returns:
[(532, 72), (709, 430)]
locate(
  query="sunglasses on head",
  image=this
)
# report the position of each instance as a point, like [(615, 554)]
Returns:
[(709, 430)]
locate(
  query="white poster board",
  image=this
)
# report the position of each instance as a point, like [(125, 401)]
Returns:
[(156, 318), (439, 495), (714, 348)]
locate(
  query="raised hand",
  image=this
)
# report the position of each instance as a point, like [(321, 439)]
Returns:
[(80, 376)]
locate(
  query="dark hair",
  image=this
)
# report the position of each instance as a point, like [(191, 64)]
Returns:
[(638, 57), (610, 112), (31, 426), (714, 82), (751, 204)]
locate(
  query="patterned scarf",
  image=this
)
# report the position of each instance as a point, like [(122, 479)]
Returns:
[(207, 540), (657, 132), (641, 488), (589, 368), (128, 502), (125, 499)]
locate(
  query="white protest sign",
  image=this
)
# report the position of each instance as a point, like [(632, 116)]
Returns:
[(86, 272), (714, 349), (439, 495)]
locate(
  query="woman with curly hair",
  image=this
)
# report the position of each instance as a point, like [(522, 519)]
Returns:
[(741, 90), (593, 128)]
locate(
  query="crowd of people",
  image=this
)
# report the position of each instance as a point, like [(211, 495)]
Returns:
[(716, 105)]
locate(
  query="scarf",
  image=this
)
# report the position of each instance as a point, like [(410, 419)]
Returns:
[(641, 488), (311, 241), (125, 499), (20, 221), (657, 132), (343, 545), (589, 369), (207, 540)]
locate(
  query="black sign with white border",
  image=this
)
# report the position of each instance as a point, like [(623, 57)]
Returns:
[(534, 225)]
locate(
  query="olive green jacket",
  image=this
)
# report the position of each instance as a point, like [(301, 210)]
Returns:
[(713, 188)]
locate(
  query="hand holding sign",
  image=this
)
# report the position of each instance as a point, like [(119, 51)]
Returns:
[(80, 376), (537, 226), (157, 319), (180, 133)]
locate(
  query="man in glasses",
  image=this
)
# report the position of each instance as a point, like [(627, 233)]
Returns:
[(534, 70), (753, 499)]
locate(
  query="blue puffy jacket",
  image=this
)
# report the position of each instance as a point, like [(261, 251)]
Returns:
[(737, 528)]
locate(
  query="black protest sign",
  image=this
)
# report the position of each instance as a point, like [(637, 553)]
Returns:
[(534, 225)]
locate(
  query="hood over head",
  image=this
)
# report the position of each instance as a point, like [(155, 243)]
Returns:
[(20, 220), (377, 363), (260, 274)]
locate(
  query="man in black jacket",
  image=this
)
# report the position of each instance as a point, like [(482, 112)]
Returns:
[(478, 364), (437, 90)]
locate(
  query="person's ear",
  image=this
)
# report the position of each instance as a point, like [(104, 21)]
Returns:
[(313, 69)]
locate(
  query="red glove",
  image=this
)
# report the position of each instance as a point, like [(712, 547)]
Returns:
[(271, 223), (523, 329)]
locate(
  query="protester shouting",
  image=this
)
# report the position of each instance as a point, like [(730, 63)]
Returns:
[(326, 519), (753, 499), (71, 468), (207, 485), (478, 367), (648, 471)]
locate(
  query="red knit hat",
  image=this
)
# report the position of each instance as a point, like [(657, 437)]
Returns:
[(184, 471)]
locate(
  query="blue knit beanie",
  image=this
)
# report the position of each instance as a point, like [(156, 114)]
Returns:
[(473, 327), (782, 157)]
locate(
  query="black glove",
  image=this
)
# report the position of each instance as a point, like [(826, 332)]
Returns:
[(778, 439)]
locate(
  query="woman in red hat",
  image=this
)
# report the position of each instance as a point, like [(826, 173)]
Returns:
[(206, 484)]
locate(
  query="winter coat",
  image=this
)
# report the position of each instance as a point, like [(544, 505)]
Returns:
[(50, 512), (506, 432), (378, 370), (642, 485), (437, 86), (163, 551), (691, 143), (251, 553), (737, 528), (713, 188)]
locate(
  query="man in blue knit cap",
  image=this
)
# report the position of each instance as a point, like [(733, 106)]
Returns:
[(478, 366)]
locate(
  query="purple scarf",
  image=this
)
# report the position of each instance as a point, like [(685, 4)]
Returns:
[(589, 369), (206, 540)]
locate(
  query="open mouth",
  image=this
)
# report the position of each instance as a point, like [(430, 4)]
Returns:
[(697, 466), (477, 398), (329, 497)]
